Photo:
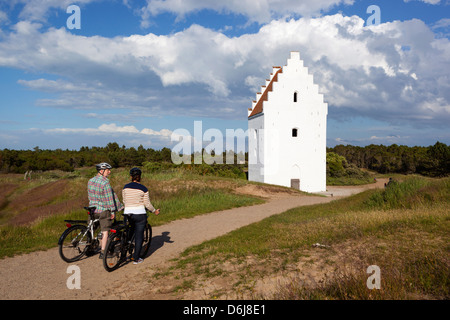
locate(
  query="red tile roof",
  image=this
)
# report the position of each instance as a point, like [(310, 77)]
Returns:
[(259, 105)]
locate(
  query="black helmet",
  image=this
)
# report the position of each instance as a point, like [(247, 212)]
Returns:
[(102, 166), (135, 172)]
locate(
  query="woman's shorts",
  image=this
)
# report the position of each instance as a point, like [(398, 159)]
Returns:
[(105, 220)]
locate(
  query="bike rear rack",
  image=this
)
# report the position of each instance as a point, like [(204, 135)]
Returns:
[(76, 221), (117, 226), (91, 211)]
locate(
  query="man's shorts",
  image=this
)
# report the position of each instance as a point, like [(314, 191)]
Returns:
[(105, 220)]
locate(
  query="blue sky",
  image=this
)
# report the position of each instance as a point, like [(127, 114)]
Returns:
[(137, 70)]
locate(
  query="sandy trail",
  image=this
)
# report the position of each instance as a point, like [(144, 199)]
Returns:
[(43, 275)]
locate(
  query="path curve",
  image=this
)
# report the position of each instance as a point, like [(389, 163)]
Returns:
[(43, 275)]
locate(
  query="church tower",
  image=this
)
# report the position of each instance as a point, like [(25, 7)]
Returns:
[(287, 130)]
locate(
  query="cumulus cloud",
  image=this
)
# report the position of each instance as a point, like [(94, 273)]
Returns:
[(111, 131), (107, 132), (261, 11), (395, 72)]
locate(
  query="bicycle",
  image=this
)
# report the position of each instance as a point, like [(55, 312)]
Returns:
[(120, 245), (80, 238)]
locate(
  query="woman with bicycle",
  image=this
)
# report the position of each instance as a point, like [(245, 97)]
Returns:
[(136, 200)]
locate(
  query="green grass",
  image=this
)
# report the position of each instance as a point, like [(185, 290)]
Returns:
[(189, 203), (348, 181), (406, 226), (413, 192), (42, 235), (178, 195)]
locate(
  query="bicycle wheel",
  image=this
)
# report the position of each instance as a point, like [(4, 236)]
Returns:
[(74, 242), (113, 255), (147, 241)]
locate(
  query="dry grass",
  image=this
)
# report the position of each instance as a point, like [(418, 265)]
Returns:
[(277, 257), (33, 212)]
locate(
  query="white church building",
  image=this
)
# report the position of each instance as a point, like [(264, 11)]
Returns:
[(287, 130)]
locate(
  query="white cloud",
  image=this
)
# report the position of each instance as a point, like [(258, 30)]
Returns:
[(107, 132), (442, 28), (38, 10), (368, 137), (112, 128), (163, 133), (46, 85), (3, 17), (443, 23), (394, 72), (261, 11), (426, 1), (127, 135)]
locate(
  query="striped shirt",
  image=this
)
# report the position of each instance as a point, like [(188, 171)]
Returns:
[(136, 198), (102, 196)]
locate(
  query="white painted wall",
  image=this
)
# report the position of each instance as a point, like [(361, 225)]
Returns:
[(285, 157), (256, 149)]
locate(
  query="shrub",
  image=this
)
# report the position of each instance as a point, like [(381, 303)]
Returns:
[(340, 172), (409, 193)]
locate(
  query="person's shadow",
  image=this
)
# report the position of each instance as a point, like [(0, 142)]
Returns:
[(158, 242)]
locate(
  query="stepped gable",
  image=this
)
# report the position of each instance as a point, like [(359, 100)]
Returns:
[(258, 107)]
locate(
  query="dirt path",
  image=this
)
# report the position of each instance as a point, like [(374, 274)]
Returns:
[(43, 275)]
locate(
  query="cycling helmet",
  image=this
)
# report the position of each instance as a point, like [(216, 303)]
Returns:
[(103, 166), (135, 172)]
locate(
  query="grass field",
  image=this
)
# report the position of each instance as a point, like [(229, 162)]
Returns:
[(315, 252), (32, 212), (323, 251)]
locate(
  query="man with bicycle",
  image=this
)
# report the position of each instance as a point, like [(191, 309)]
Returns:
[(102, 196)]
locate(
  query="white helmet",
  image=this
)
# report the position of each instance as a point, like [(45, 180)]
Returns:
[(102, 166)]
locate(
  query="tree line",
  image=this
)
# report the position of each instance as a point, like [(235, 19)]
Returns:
[(430, 161), (20, 161), (433, 161)]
